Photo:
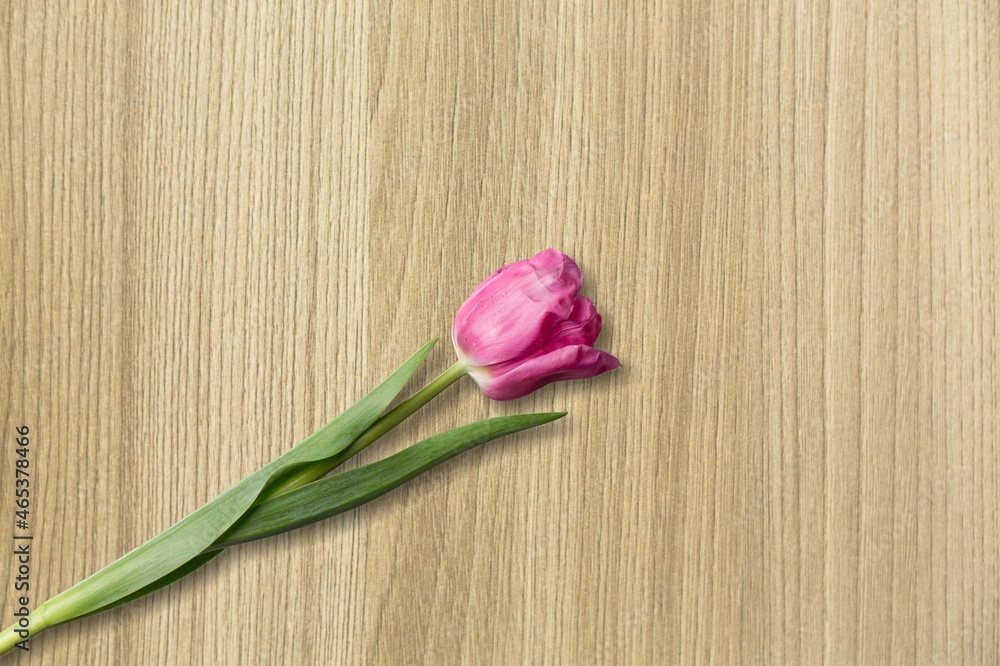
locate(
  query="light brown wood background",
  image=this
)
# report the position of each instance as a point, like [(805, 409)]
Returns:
[(223, 222)]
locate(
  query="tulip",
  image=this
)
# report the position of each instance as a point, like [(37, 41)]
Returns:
[(527, 326), (524, 327)]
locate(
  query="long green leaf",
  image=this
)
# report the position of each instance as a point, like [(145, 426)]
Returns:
[(185, 569), (341, 492), (356, 487), (185, 540)]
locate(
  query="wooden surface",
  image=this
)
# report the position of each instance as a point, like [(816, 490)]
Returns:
[(222, 223)]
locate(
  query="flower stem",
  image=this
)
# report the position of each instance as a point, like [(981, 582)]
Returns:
[(390, 420), (12, 635)]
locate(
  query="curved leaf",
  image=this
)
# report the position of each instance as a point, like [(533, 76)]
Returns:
[(172, 548), (346, 490), (188, 567)]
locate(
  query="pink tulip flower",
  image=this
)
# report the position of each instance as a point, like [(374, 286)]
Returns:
[(526, 326)]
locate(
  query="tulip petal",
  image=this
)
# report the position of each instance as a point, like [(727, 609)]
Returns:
[(582, 328), (512, 313), (526, 376)]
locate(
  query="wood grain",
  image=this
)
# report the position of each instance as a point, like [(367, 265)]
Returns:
[(221, 223)]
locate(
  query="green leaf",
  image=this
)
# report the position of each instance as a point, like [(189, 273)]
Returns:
[(346, 490), (188, 567), (187, 539), (343, 492)]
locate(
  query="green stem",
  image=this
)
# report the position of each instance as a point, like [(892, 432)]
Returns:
[(9, 637), (313, 471)]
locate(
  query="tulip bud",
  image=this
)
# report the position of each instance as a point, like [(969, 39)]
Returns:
[(527, 326)]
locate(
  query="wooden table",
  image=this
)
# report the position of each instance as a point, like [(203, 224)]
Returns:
[(223, 222)]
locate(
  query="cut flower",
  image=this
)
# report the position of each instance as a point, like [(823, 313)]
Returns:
[(524, 327)]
